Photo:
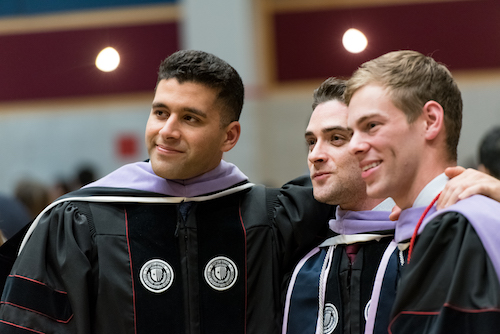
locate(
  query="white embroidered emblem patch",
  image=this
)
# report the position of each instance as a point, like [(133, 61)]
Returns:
[(156, 275), (367, 309), (330, 319), (221, 273)]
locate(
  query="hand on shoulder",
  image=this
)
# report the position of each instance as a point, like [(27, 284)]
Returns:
[(465, 183)]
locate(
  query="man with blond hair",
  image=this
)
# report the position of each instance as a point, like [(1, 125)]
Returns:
[(330, 288), (406, 111)]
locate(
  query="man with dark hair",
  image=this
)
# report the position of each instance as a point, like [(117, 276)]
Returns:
[(489, 153), (330, 89), (406, 110), (180, 244), (210, 72), (330, 288)]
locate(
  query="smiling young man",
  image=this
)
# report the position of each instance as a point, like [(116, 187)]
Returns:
[(183, 243), (406, 111), (185, 134), (330, 288)]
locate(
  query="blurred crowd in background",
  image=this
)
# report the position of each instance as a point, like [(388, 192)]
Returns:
[(31, 196)]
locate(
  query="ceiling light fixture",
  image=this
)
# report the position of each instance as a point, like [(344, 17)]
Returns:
[(354, 41), (107, 60)]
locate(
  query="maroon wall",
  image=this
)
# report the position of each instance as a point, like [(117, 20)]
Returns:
[(461, 34), (61, 63)]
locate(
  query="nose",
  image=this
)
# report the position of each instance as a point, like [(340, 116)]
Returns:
[(171, 128), (357, 145), (317, 154)]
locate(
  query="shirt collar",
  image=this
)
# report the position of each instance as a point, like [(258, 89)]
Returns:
[(386, 205), (430, 191)]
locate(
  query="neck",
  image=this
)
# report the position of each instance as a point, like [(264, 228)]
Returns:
[(407, 197), (363, 205)]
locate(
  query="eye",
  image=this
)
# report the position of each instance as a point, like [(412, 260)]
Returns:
[(191, 119), (338, 140), (310, 142), (371, 125), (159, 113)]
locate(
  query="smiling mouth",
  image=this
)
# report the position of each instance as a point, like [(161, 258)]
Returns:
[(370, 166), (319, 174), (166, 149)]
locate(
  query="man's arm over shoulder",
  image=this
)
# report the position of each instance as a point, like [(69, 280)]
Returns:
[(302, 221)]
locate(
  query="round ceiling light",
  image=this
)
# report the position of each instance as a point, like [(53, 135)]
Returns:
[(354, 41), (107, 60)]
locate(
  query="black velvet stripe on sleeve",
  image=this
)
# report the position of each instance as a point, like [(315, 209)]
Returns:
[(9, 328), (449, 320), (38, 297)]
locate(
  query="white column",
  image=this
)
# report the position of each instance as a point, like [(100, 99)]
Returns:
[(225, 28)]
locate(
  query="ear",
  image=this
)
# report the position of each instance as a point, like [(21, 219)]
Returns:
[(233, 131), (434, 119)]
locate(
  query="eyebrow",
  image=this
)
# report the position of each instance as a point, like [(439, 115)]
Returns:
[(330, 129), (191, 110)]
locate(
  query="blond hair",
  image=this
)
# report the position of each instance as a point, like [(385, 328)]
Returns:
[(411, 80)]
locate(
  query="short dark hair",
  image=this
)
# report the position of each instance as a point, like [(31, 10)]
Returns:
[(330, 89), (211, 71), (489, 151)]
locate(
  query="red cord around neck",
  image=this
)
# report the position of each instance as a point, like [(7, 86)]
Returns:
[(415, 233)]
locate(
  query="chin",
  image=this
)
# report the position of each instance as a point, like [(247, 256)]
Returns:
[(323, 197), (374, 192), (165, 170), (319, 197), (165, 174)]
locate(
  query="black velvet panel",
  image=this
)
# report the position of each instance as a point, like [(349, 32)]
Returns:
[(38, 297)]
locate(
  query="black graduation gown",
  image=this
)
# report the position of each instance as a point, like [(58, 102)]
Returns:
[(148, 265)]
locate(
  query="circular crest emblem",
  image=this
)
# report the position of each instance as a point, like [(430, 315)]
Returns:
[(156, 275), (367, 308), (330, 319), (221, 273)]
